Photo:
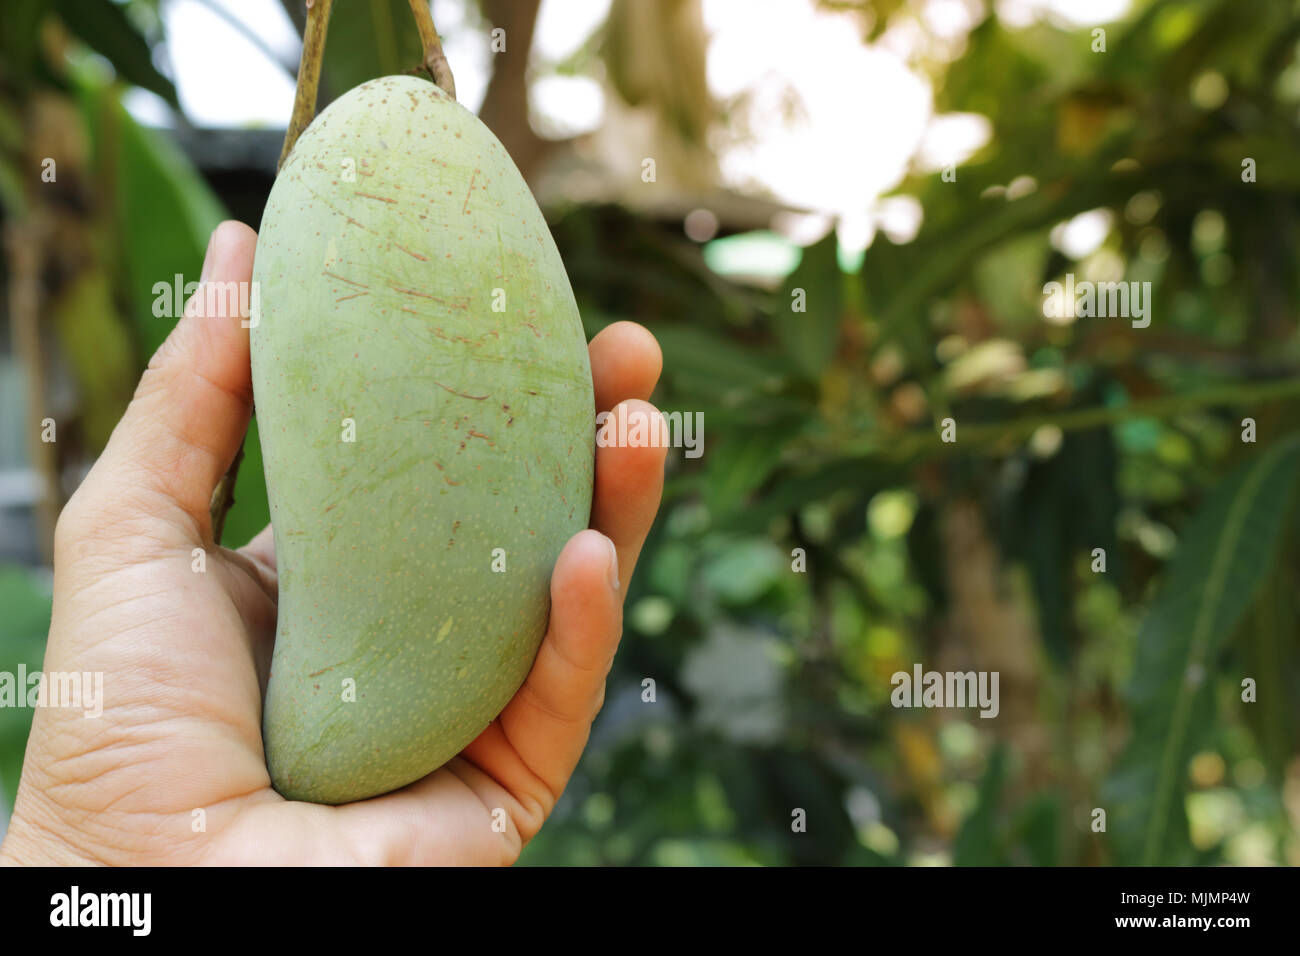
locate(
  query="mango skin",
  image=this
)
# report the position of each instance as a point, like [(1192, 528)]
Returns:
[(473, 432)]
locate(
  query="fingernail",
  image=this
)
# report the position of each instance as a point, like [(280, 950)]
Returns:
[(613, 564)]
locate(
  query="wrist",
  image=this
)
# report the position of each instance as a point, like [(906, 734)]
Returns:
[(12, 849), (26, 845)]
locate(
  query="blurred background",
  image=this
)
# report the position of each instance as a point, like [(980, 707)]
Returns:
[(913, 172)]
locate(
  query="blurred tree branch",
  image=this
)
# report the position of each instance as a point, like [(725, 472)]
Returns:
[(505, 106), (25, 241)]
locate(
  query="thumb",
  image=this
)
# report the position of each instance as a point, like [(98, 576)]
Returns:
[(190, 410)]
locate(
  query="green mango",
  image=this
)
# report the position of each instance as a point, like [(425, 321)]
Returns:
[(425, 406)]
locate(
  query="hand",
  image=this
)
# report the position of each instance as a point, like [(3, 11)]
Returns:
[(185, 655)]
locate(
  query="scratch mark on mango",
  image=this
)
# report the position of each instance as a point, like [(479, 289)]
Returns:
[(334, 275), (415, 255), (465, 205), (477, 398)]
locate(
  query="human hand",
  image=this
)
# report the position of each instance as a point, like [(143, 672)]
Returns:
[(185, 656)]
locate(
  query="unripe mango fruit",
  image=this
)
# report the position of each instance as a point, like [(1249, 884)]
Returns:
[(425, 406)]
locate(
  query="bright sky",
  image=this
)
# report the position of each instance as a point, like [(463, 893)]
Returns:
[(862, 113)]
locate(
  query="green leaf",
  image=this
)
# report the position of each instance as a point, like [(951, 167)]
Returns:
[(900, 281), (96, 345), (810, 336), (168, 214), (19, 40), (701, 359), (740, 463), (251, 511), (791, 492), (103, 26), (165, 212), (1036, 832), (1226, 551), (26, 619), (1067, 506), (1268, 652), (744, 570), (978, 843), (366, 40)]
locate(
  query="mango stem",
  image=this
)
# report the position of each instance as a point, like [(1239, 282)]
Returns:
[(304, 111), (313, 52), (435, 61)]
